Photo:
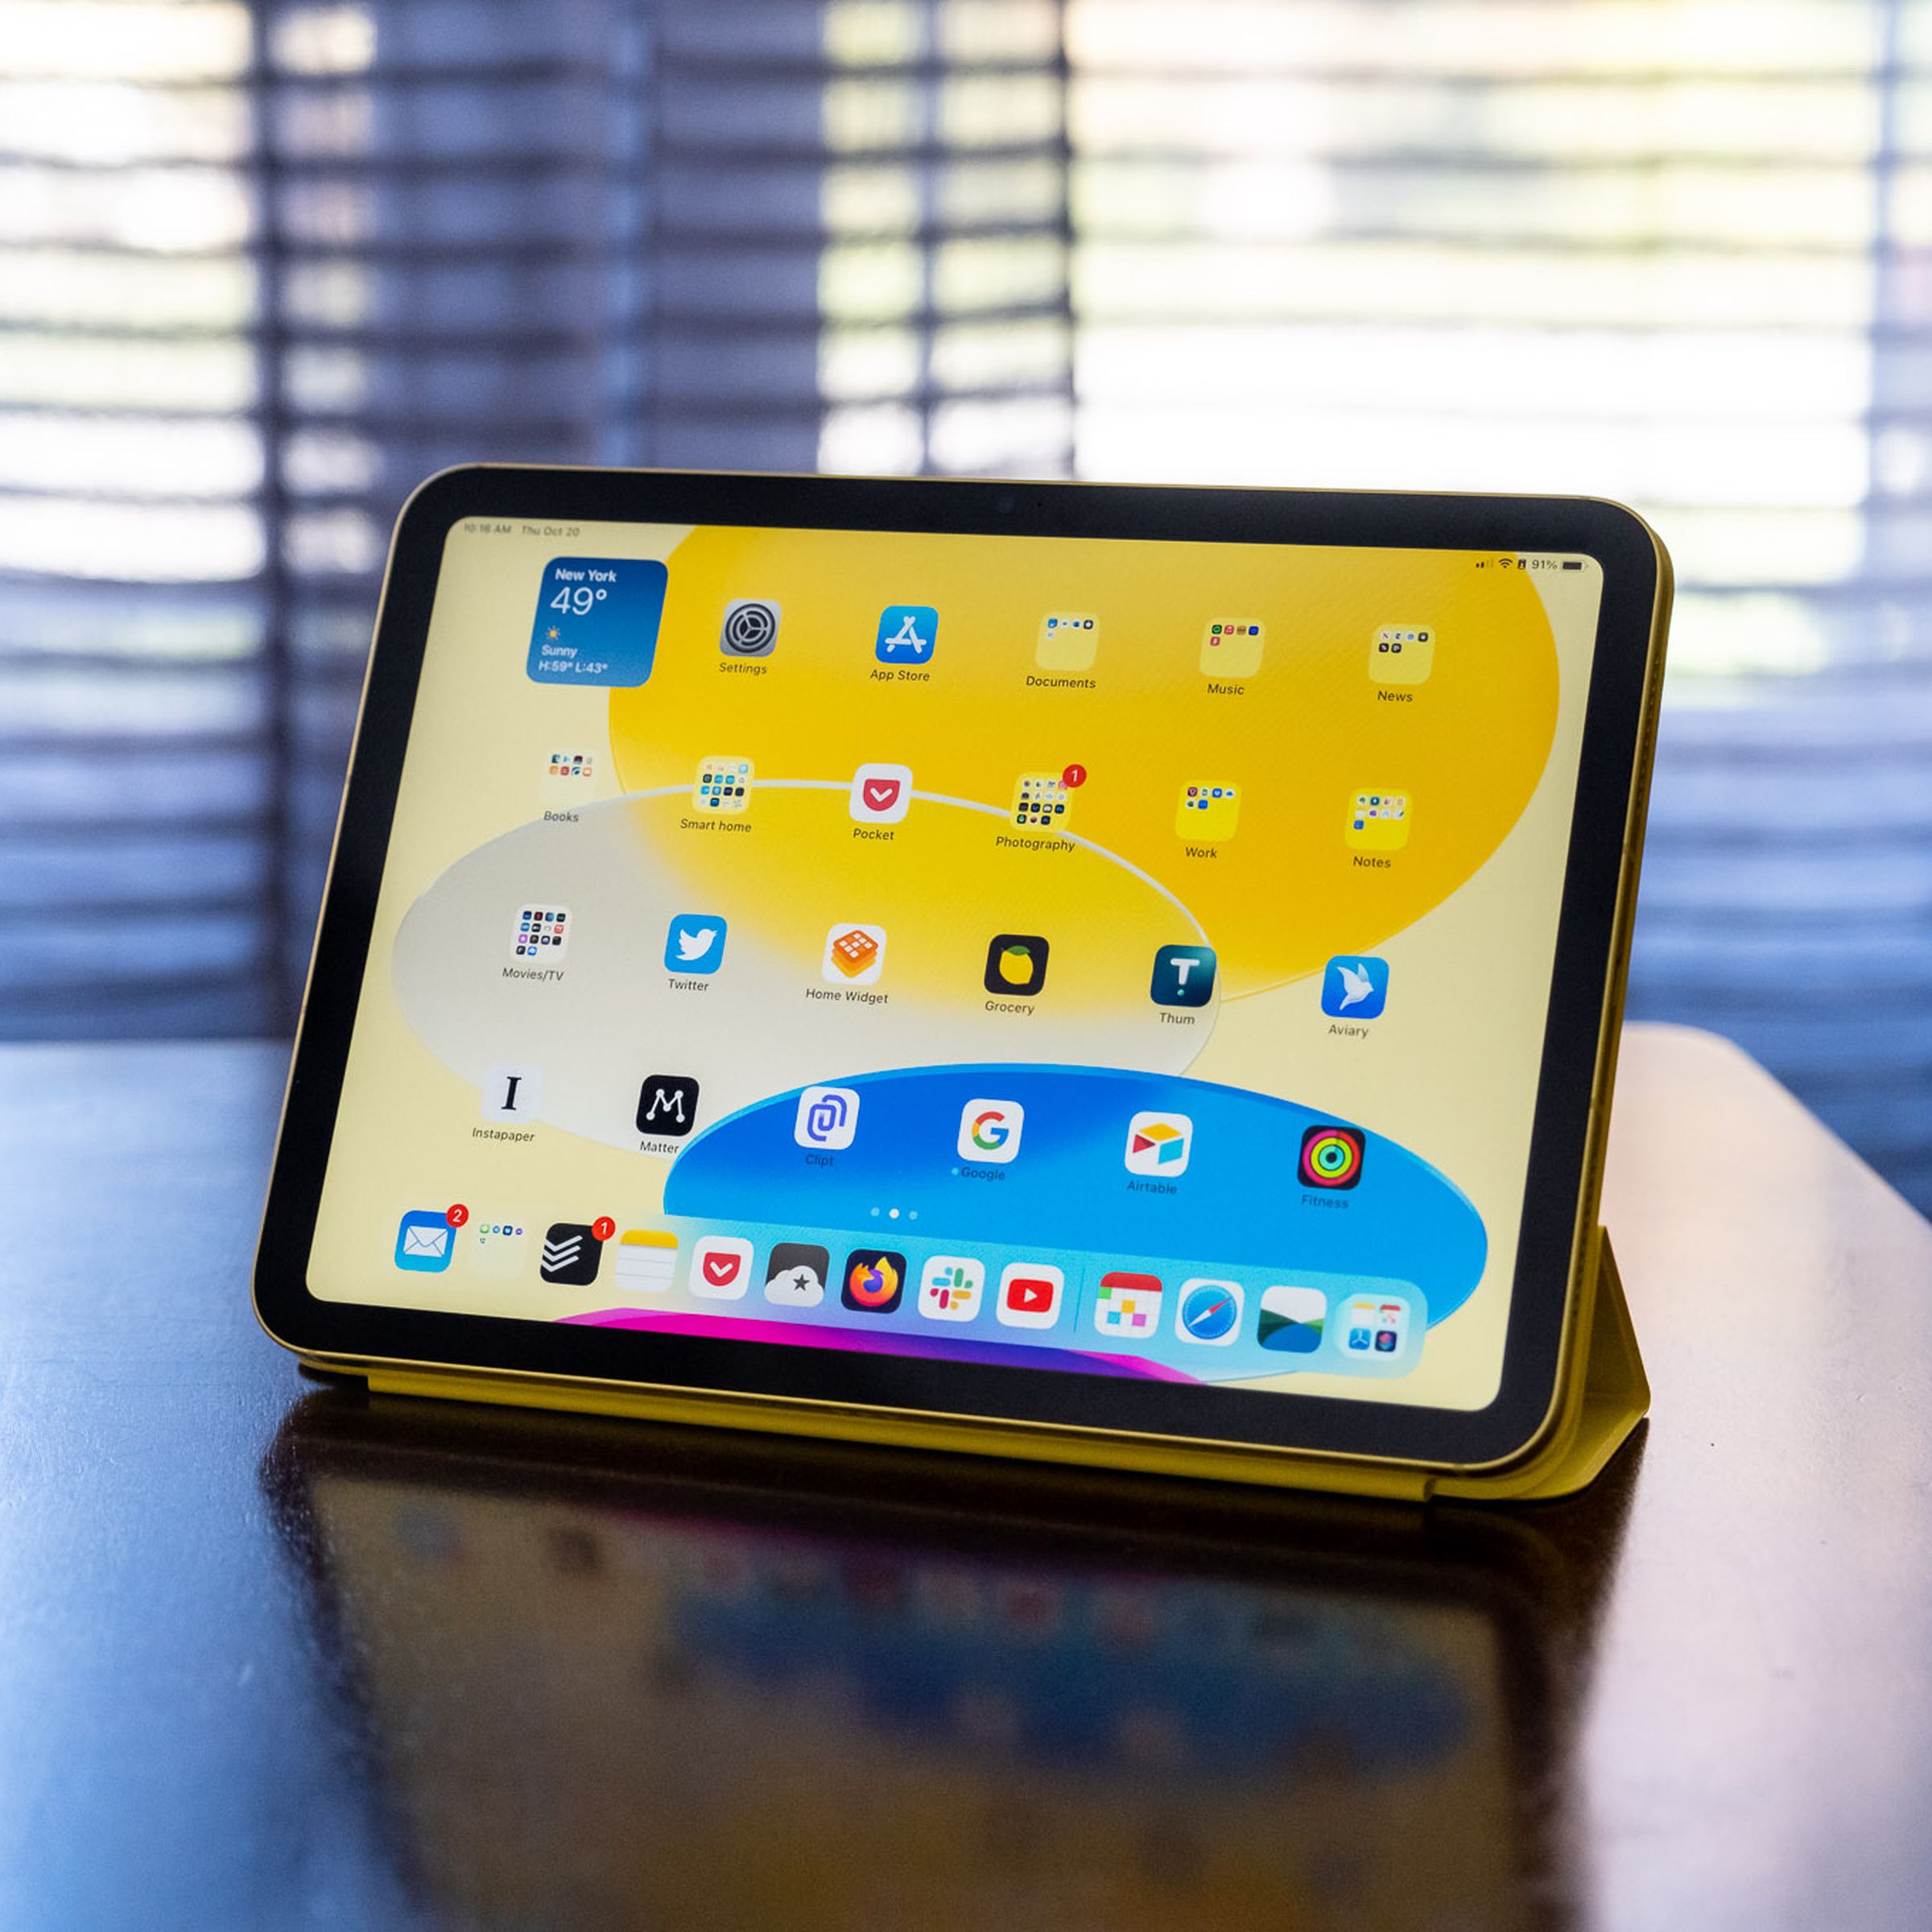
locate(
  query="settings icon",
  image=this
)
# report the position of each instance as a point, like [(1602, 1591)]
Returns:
[(750, 629)]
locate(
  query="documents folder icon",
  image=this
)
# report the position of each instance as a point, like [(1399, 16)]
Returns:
[(423, 1241)]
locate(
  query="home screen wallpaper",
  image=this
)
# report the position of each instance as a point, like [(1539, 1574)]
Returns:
[(1114, 957)]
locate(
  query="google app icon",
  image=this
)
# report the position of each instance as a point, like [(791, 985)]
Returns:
[(990, 1130)]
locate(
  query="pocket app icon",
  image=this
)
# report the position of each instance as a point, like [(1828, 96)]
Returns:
[(721, 1267), (882, 795)]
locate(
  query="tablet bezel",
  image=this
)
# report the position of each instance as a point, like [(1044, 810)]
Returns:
[(1559, 1204)]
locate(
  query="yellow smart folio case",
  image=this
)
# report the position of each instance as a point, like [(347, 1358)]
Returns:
[(869, 789)]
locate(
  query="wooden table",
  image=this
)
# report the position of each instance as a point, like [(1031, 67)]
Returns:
[(272, 1654)]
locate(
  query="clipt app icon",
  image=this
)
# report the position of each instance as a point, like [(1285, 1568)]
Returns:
[(571, 1252), (667, 1105), (1068, 641), (1208, 813), (425, 1241), (597, 622), (908, 634), (882, 795), (1292, 1319), (1128, 1306), (951, 1287), (1208, 1311), (827, 1117), (750, 629), (1029, 1295), (693, 943), (1332, 1156), (720, 1268), (1159, 1144), (1355, 987), (797, 1274), (1378, 821), (1016, 964), (874, 1280), (512, 1090), (854, 955), (990, 1130), (1183, 976)]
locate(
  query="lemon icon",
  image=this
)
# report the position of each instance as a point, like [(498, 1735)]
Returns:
[(1016, 962)]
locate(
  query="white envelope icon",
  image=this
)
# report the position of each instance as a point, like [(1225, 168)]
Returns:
[(432, 1241)]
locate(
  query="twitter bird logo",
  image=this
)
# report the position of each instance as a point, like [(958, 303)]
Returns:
[(694, 943), (1355, 987)]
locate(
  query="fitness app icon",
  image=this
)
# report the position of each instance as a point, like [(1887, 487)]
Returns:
[(990, 1130), (750, 629), (1016, 964), (828, 1117), (1332, 1156)]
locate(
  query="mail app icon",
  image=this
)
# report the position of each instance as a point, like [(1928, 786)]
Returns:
[(423, 1245)]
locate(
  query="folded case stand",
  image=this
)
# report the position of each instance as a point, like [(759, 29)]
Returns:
[(1601, 1394)]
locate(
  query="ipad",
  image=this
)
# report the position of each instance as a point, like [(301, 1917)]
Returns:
[(1132, 961)]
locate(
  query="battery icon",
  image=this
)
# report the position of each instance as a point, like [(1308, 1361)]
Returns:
[(1573, 564)]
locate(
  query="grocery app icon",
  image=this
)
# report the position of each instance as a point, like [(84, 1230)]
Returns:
[(1375, 1325), (908, 634), (425, 1241), (1183, 976), (854, 955), (1208, 812), (951, 1287), (797, 1274), (721, 1267), (882, 795), (990, 1130), (1378, 821), (512, 1090), (1354, 986), (645, 1260), (1039, 800), (750, 629), (1209, 1312), (693, 943), (1016, 964), (827, 1117), (1029, 1295), (1159, 1144), (1402, 654), (1292, 1319), (875, 1279), (722, 784), (1128, 1306), (1231, 648), (1332, 1156), (1068, 641), (571, 1252)]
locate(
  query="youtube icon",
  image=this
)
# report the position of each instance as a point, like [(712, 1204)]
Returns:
[(1030, 1295)]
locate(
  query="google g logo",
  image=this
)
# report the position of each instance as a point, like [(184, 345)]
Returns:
[(990, 1130), (1332, 1156)]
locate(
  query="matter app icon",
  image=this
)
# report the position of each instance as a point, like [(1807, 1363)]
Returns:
[(828, 1118)]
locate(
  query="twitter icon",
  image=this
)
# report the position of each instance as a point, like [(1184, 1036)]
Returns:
[(1355, 987), (694, 943)]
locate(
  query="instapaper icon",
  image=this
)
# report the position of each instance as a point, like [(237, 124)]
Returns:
[(828, 1117)]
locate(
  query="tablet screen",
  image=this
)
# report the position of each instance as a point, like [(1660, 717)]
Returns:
[(1109, 957)]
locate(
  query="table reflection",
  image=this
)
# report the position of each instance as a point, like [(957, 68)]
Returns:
[(610, 1675)]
